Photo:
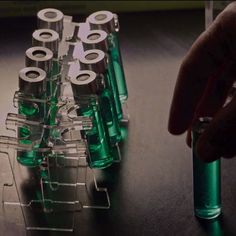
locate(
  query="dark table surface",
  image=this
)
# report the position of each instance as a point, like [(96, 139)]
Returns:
[(151, 189)]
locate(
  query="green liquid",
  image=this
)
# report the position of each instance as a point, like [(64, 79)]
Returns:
[(206, 186), (118, 66), (111, 84), (98, 145), (46, 113), (109, 115), (28, 158)]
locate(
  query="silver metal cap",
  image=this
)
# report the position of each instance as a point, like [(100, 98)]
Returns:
[(46, 38), (84, 82), (95, 39), (94, 60), (32, 80), (50, 18), (40, 57), (103, 20)]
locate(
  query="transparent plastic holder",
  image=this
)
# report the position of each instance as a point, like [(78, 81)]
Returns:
[(42, 209), (53, 205), (63, 183)]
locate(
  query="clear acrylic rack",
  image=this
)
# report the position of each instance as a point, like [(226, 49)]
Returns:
[(59, 183)]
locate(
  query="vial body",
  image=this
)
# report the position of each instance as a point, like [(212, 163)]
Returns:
[(111, 84), (206, 181), (98, 145), (30, 158), (110, 117), (95, 60), (115, 55), (32, 84)]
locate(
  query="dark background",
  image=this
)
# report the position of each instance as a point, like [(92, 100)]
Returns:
[(151, 189)]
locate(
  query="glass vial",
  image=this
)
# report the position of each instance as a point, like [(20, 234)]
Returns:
[(50, 18), (95, 60), (97, 39), (50, 39), (32, 84), (206, 179), (107, 21), (42, 58), (84, 83)]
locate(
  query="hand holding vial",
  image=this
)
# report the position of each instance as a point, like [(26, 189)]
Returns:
[(205, 79)]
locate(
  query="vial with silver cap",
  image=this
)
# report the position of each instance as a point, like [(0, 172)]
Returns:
[(50, 18), (107, 21), (97, 39), (85, 83), (95, 60), (32, 84), (50, 39), (206, 179), (41, 57)]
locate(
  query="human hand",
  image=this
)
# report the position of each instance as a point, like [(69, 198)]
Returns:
[(206, 75)]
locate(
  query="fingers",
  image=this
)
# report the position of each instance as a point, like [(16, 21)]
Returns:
[(214, 96), (214, 48), (219, 139)]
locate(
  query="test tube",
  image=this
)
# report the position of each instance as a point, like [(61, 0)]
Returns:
[(50, 18), (32, 83), (85, 83), (50, 39), (107, 21), (206, 179), (95, 60)]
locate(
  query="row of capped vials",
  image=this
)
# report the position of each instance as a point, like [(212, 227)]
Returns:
[(74, 74)]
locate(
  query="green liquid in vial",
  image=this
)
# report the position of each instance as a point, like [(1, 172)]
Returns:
[(28, 158), (100, 156), (110, 117), (206, 183), (111, 84), (118, 66)]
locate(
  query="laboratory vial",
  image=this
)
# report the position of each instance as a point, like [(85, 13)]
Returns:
[(50, 39), (42, 57), (206, 179), (85, 83), (108, 22), (96, 61), (50, 18), (97, 39), (32, 84)]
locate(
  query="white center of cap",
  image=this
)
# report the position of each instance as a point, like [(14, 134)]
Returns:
[(83, 77), (45, 35), (32, 74), (39, 53), (50, 14), (101, 17), (91, 56), (93, 36)]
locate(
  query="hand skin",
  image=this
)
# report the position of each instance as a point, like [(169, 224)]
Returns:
[(205, 77)]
